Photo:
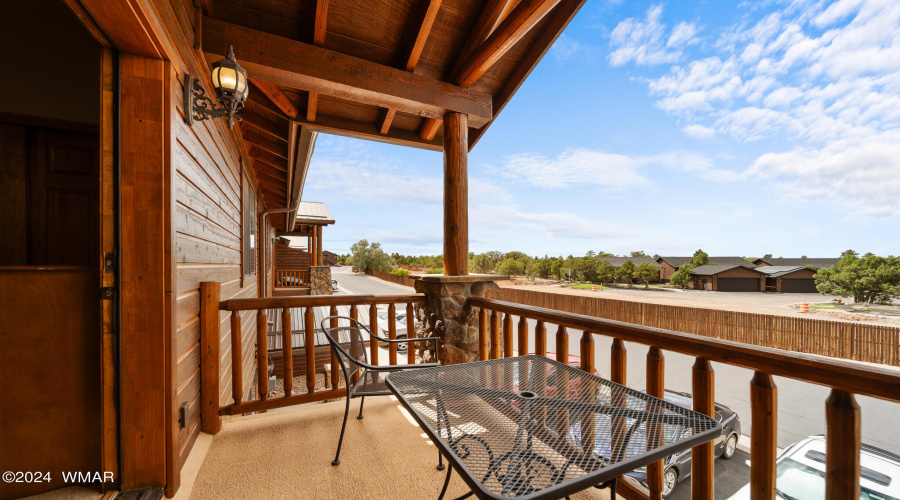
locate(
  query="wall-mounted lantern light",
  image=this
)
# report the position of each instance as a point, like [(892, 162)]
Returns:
[(229, 81)]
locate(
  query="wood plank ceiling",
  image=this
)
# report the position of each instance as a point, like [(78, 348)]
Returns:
[(385, 70)]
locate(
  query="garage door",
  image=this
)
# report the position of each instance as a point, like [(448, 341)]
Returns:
[(798, 286), (738, 284)]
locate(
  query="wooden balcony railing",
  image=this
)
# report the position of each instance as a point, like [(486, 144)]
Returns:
[(211, 340), (291, 278), (843, 438)]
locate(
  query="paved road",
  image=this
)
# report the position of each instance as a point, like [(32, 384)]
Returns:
[(801, 406), (350, 282), (731, 475)]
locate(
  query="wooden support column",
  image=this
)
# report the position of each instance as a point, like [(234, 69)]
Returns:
[(320, 259), (456, 195), (210, 340), (842, 446), (702, 455), (763, 441), (313, 243)]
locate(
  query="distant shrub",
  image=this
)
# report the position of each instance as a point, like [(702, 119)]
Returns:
[(435, 270), (400, 272)]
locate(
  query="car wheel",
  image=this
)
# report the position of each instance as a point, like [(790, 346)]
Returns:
[(670, 479), (401, 346), (730, 446)]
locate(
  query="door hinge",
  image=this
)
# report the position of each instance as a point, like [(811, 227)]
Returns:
[(107, 293), (109, 262)]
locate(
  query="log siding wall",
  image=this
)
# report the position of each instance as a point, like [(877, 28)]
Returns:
[(206, 218)]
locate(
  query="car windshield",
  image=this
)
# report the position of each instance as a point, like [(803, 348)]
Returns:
[(795, 481)]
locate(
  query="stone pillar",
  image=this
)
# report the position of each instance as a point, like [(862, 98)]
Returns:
[(320, 280), (447, 315)]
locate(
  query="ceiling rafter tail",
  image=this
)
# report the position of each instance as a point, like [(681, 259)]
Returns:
[(493, 13), (292, 156), (386, 122), (306, 144), (275, 147), (370, 131), (559, 20), (278, 98), (319, 30), (267, 127), (516, 25), (292, 64)]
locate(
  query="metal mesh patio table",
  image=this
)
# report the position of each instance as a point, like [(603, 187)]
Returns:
[(531, 427)]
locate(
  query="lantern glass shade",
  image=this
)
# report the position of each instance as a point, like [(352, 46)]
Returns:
[(230, 79)]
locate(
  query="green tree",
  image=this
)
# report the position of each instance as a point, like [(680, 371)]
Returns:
[(606, 272), (638, 253), (645, 272), (510, 267), (867, 279), (586, 268), (625, 273), (480, 263), (557, 268), (543, 267), (700, 258), (365, 256), (682, 277)]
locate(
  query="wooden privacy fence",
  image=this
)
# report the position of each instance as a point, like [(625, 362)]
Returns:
[(860, 342), (393, 278)]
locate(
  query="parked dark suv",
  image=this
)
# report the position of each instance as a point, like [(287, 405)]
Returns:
[(678, 466)]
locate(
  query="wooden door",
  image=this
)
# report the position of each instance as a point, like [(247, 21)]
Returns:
[(50, 333)]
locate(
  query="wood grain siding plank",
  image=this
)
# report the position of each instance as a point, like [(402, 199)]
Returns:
[(197, 176), (191, 274), (193, 224), (189, 196), (293, 64), (190, 249)]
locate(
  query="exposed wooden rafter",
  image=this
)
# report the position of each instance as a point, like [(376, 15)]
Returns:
[(362, 130), (319, 41), (268, 128), (485, 53), (293, 64), (275, 147), (561, 17), (414, 54), (277, 97)]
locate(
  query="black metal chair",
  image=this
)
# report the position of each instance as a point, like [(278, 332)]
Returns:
[(348, 343)]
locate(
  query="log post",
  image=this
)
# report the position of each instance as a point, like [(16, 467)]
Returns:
[(320, 258), (456, 196), (702, 472), (842, 446), (763, 441), (655, 387), (210, 339)]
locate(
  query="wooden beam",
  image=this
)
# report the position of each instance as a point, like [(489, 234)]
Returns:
[(295, 233), (273, 173), (256, 139), (513, 28), (456, 196), (511, 31), (306, 143), (386, 123), (262, 155), (293, 64), (277, 97), (311, 106), (424, 30), (128, 26), (319, 41), (493, 13), (557, 23), (370, 131)]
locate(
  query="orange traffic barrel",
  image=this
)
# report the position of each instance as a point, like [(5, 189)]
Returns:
[(804, 308), (593, 288)]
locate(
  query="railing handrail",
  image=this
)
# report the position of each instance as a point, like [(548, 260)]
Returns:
[(882, 383), (317, 301)]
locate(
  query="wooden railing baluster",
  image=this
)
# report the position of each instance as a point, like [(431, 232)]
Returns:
[(237, 359), (586, 351), (354, 315), (482, 335), (310, 345), (842, 446), (411, 334), (523, 336), (763, 441), (495, 335), (655, 387), (540, 339), (562, 345), (287, 354), (618, 360), (335, 365), (507, 336), (392, 334), (702, 455), (373, 325), (262, 362), (562, 378)]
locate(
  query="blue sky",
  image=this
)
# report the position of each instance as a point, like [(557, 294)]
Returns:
[(742, 128)]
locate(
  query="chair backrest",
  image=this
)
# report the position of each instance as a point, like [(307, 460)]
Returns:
[(348, 341)]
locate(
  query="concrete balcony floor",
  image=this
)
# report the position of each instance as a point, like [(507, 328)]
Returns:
[(287, 454)]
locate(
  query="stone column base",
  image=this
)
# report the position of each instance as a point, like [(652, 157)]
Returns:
[(320, 280), (447, 315)]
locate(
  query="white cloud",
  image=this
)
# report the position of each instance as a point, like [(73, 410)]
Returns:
[(642, 40), (823, 78), (564, 48), (699, 132)]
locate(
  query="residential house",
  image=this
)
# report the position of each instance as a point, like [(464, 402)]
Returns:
[(728, 278), (671, 264), (818, 263)]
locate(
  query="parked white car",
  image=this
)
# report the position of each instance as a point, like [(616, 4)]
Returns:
[(401, 327), (800, 473)]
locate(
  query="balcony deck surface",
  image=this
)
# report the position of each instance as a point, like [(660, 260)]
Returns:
[(288, 453)]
